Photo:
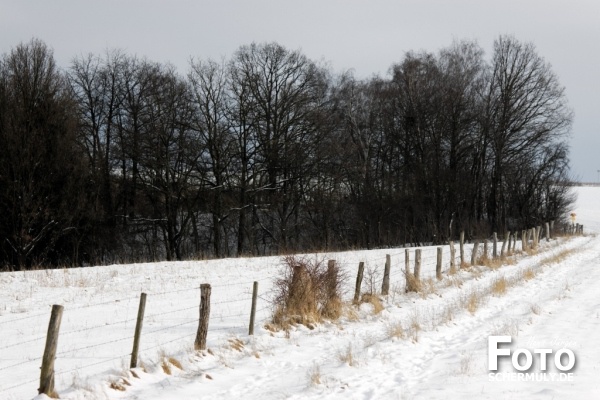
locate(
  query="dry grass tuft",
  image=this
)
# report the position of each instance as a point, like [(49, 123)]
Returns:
[(415, 326), (374, 300), (346, 356), (493, 263), (314, 375), (395, 330), (350, 313), (236, 344), (427, 288), (168, 362), (412, 283), (473, 301), (499, 286), (453, 281), (528, 274), (119, 383), (166, 367), (536, 309)]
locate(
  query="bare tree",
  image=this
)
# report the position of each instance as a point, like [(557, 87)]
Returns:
[(209, 82), (41, 176), (526, 109)]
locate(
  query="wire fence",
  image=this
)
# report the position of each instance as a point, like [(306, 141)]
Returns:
[(93, 333)]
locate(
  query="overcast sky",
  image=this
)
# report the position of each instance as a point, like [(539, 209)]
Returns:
[(367, 36)]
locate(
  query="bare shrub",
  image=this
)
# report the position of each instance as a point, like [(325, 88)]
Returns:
[(308, 291)]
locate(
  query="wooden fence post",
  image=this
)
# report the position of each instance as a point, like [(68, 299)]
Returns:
[(462, 248), (485, 250), (47, 373), (359, 278), (495, 246), (138, 331), (438, 265), (417, 273), (506, 238), (547, 226), (452, 257), (524, 240), (407, 261), (385, 286), (474, 253), (552, 229), (200, 342), (253, 308)]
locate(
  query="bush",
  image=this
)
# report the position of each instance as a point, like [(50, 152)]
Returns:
[(308, 291)]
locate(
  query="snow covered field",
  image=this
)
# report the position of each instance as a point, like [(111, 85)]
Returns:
[(421, 346)]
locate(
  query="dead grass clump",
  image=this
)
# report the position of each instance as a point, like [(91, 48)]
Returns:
[(119, 384), (308, 291), (529, 274), (493, 263), (427, 288), (395, 330), (499, 286), (314, 375), (347, 356), (415, 326), (168, 362), (236, 344), (412, 283), (453, 281), (350, 313), (374, 300), (473, 301)]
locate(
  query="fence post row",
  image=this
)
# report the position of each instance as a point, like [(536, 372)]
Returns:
[(200, 342), (47, 372), (253, 308), (138, 331)]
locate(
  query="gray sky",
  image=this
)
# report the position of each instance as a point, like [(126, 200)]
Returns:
[(367, 36)]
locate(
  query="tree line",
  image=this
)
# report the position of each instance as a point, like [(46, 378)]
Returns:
[(121, 159)]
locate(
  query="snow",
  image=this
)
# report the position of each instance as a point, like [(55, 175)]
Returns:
[(421, 346)]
